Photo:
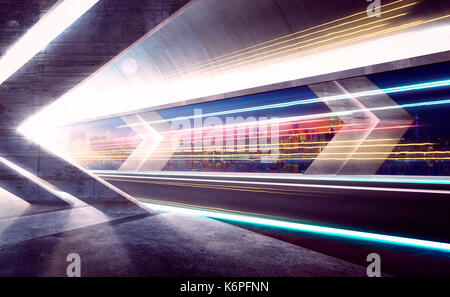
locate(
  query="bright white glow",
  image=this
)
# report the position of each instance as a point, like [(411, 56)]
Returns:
[(305, 227), (43, 131), (61, 16), (129, 66), (104, 93), (44, 134), (359, 188)]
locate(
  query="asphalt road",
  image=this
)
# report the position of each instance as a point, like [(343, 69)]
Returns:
[(410, 209)]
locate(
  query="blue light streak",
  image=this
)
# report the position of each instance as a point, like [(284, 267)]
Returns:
[(329, 231), (414, 87)]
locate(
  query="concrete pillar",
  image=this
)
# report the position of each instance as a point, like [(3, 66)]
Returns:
[(24, 188), (97, 37)]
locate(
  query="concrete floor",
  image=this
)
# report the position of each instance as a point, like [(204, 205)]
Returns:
[(116, 241)]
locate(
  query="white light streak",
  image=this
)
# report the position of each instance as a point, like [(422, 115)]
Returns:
[(418, 243), (297, 185), (59, 18)]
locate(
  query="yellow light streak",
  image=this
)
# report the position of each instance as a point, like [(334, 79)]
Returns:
[(230, 188), (347, 41), (245, 50)]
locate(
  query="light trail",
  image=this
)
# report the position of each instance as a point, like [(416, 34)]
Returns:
[(323, 132), (231, 127), (350, 112), (238, 135), (296, 47), (230, 188), (326, 142), (377, 51), (230, 56), (293, 34), (303, 50), (293, 154), (295, 51), (63, 14), (309, 154), (365, 37), (179, 204), (249, 156), (406, 88), (295, 177), (306, 143), (281, 145), (286, 36), (280, 184), (329, 231)]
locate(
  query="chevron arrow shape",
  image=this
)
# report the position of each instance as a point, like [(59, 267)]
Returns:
[(368, 123), (156, 147), (392, 117), (363, 119)]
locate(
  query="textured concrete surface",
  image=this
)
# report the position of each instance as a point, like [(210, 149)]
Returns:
[(43, 223), (99, 35), (20, 186), (129, 242), (12, 206), (168, 245)]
